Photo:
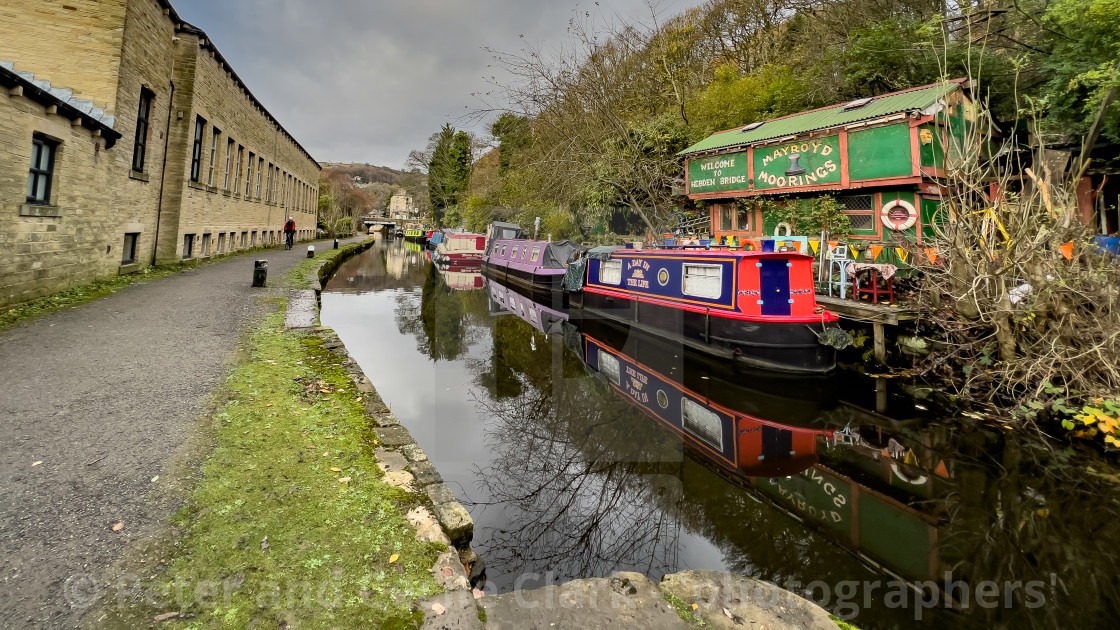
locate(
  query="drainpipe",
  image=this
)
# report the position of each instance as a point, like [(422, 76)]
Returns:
[(166, 144)]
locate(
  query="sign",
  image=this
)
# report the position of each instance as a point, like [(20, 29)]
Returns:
[(719, 173), (807, 163), (898, 215)]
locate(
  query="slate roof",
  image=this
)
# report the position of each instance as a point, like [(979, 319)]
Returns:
[(918, 98), (63, 98)]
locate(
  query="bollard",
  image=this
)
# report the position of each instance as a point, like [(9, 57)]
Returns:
[(336, 243), (310, 251), (260, 272)]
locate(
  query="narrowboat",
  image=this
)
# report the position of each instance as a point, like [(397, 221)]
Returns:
[(504, 299), (748, 444), (417, 235), (756, 307), (534, 265), (435, 238), (460, 249)]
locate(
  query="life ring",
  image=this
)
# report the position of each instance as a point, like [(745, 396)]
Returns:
[(898, 215), (783, 224)]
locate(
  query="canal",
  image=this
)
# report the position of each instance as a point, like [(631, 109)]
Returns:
[(582, 448)]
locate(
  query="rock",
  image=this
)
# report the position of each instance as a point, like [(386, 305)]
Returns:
[(426, 526), (389, 461), (456, 522), (449, 572), (400, 479), (414, 453), (451, 611), (624, 600), (750, 603), (425, 473), (382, 419), (394, 436), (439, 493)]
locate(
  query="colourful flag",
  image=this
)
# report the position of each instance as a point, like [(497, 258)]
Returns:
[(875, 251), (902, 253), (1067, 250), (931, 254)]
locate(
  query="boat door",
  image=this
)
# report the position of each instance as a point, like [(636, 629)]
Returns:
[(774, 285)]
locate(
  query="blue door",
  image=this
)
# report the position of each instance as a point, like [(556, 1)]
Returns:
[(774, 284)]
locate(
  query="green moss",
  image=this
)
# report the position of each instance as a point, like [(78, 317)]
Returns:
[(844, 625), (684, 611), (274, 533), (482, 614)]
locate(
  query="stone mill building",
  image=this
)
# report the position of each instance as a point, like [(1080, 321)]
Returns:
[(127, 140)]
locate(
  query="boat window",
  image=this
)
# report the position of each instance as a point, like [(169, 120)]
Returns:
[(704, 281), (515, 251), (536, 254), (702, 422), (533, 316), (610, 272), (608, 366)]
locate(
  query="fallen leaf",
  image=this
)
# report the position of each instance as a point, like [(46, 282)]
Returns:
[(118, 526), (166, 616), (336, 469), (438, 608), (695, 606), (343, 480), (264, 543), (326, 453), (727, 613), (34, 464), (1043, 512), (477, 593), (268, 405), (393, 558), (328, 437), (448, 572), (155, 479), (358, 399)]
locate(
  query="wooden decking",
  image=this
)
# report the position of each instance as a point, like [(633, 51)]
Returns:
[(877, 315)]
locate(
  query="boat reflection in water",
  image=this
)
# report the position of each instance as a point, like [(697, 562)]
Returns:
[(461, 277)]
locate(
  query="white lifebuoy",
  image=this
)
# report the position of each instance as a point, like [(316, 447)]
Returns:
[(783, 224), (898, 215)]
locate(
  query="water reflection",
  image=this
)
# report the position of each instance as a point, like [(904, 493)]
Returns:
[(597, 449)]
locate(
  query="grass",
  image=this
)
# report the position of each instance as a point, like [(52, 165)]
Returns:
[(844, 625), (291, 525), (100, 288), (684, 611)]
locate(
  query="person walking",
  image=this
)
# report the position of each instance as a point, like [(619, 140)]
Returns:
[(289, 232)]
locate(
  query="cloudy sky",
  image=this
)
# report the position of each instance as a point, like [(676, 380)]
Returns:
[(369, 80)]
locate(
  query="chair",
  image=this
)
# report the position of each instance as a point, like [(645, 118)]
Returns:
[(838, 259)]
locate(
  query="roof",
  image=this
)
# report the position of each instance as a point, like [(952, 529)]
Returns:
[(43, 92), (208, 44), (918, 98)]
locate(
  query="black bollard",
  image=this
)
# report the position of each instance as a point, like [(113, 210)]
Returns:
[(260, 273), (310, 251), (336, 243)]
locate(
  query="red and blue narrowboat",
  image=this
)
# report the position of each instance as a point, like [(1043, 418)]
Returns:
[(757, 307)]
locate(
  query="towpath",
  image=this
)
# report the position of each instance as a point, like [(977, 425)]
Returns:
[(107, 396)]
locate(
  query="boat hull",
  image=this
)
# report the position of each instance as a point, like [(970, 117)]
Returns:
[(774, 345), (539, 285)]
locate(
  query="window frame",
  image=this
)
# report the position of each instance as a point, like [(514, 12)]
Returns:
[(684, 280), (196, 151), (128, 254), (215, 135), (143, 118), (613, 264), (257, 188), (229, 162), (188, 246), (34, 173), (697, 429), (871, 212)]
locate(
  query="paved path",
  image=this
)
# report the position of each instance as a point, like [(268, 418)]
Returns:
[(105, 395)]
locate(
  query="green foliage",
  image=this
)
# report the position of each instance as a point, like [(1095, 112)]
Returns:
[(808, 217), (733, 99), (514, 134), (1083, 64)]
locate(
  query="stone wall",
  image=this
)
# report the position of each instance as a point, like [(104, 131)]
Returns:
[(75, 44), (41, 255)]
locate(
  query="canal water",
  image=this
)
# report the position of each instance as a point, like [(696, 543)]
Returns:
[(582, 448)]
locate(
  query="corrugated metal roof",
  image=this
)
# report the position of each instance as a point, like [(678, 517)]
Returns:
[(826, 117)]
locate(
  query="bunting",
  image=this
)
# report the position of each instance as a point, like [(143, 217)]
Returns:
[(1067, 250), (875, 251), (816, 245), (902, 253), (931, 254)]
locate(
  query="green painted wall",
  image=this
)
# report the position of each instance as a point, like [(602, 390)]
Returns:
[(933, 153), (880, 152), (929, 213), (805, 163), (720, 173)]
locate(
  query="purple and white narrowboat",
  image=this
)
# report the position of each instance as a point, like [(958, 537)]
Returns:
[(533, 265)]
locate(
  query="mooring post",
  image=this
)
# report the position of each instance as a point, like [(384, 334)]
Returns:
[(310, 251), (260, 272), (880, 342)]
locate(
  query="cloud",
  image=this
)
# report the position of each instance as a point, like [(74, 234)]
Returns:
[(367, 81)]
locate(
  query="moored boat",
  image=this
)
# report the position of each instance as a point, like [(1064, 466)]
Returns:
[(460, 249), (417, 235), (534, 265), (757, 307)]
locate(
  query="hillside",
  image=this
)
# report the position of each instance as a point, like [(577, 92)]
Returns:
[(368, 172)]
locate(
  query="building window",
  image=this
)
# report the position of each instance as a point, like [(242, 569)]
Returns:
[(221, 242), (213, 155), (743, 218), (725, 217), (188, 245), (140, 147), (704, 281), (41, 173), (268, 185), (253, 238), (610, 272), (260, 167), (128, 253), (229, 162), (284, 190), (205, 244), (237, 172), (861, 212), (244, 237), (249, 177), (196, 153)]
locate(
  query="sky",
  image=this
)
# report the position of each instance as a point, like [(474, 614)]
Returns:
[(370, 80)]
